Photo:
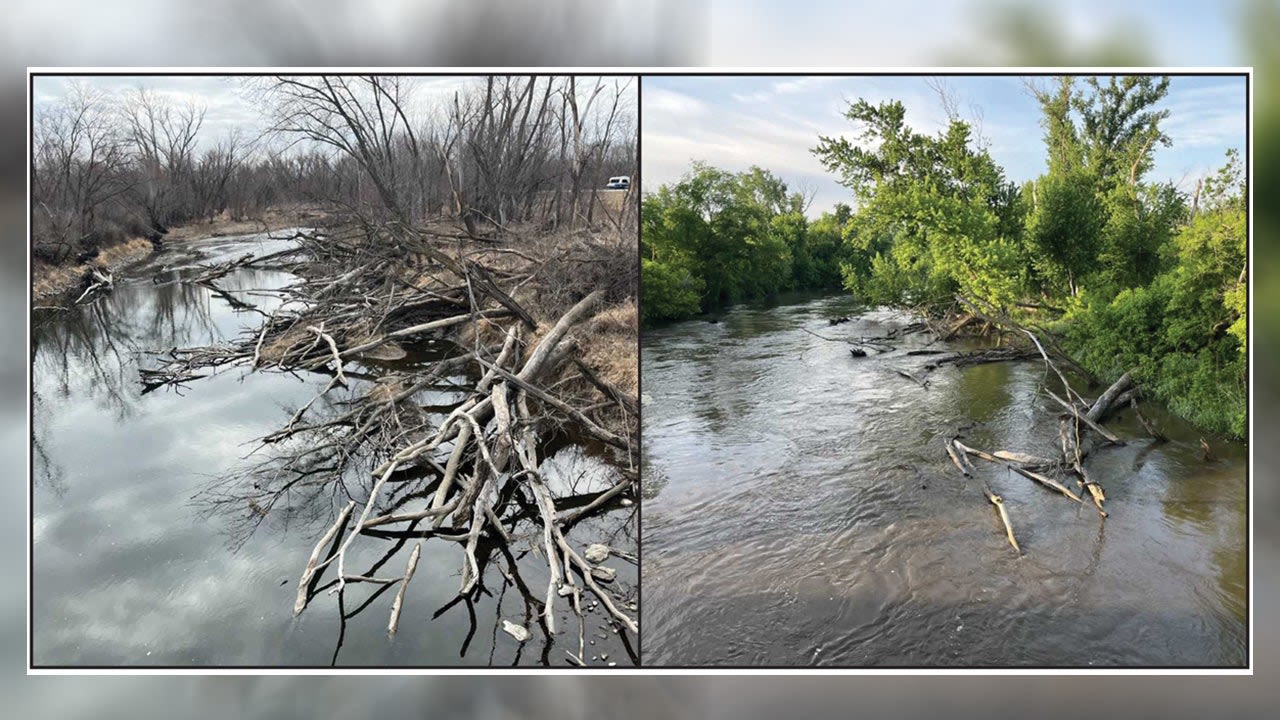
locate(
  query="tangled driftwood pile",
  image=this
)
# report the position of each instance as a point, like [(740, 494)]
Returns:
[(391, 463)]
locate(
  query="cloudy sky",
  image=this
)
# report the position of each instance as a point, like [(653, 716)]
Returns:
[(229, 102), (736, 122)]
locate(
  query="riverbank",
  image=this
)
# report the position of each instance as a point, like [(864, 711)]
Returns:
[(52, 284)]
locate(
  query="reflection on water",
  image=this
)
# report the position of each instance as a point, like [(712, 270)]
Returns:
[(800, 509), (135, 562)]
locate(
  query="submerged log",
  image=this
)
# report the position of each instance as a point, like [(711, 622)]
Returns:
[(967, 470), (1147, 425), (981, 357), (919, 381), (1032, 462)]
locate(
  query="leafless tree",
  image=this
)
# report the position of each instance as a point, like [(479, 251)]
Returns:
[(164, 138), (362, 117), (79, 158), (592, 136)]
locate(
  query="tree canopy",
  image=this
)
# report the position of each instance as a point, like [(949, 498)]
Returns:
[(717, 238), (1134, 273)]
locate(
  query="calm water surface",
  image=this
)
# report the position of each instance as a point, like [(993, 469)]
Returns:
[(799, 509), (133, 566)]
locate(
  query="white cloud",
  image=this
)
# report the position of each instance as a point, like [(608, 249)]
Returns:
[(772, 123), (1207, 116), (670, 104)]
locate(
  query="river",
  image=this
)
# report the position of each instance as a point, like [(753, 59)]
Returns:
[(134, 563), (799, 509)]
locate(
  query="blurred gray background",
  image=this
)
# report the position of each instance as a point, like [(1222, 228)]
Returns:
[(612, 33)]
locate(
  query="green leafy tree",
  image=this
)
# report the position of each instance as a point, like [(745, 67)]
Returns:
[(936, 215), (1064, 228), (1120, 126), (671, 291), (1186, 329), (1129, 275), (717, 238)]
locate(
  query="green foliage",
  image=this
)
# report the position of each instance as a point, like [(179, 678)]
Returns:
[(1185, 331), (1061, 139), (1064, 229), (1147, 282), (1119, 126), (818, 256), (717, 238), (936, 214), (1140, 222), (671, 291)]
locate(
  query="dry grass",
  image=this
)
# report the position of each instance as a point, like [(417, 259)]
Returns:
[(53, 281), (275, 349), (120, 255), (621, 319), (609, 345), (613, 358)]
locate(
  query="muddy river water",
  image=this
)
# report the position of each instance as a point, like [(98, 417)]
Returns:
[(799, 509)]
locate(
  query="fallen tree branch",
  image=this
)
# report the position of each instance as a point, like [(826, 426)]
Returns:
[(1016, 467), (312, 563), (1111, 438), (998, 502), (396, 605)]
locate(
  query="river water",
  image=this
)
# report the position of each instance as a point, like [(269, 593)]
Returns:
[(800, 509), (133, 565)]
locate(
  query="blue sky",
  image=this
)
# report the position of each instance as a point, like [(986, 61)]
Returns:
[(737, 122)]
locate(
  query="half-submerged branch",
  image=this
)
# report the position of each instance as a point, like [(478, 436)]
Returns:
[(1080, 427), (967, 469)]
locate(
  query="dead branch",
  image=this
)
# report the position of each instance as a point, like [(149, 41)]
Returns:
[(394, 623), (967, 470), (1002, 458)]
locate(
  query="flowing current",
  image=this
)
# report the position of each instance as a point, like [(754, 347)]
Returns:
[(135, 562), (800, 509)]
